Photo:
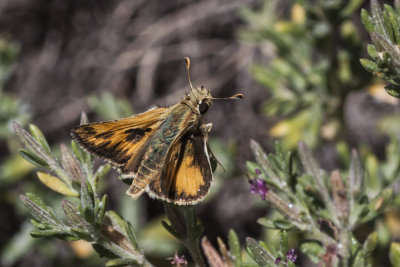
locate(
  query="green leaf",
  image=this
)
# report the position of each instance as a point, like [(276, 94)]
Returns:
[(45, 233), (38, 135), (117, 221), (283, 224), (266, 223), (263, 161), (377, 15), (393, 90), (77, 151), (394, 254), (71, 165), (283, 244), (81, 233), (75, 217), (369, 65), (87, 201), (32, 158), (40, 226), (370, 244), (38, 209), (131, 234), (258, 253), (367, 21), (234, 248), (372, 52), (30, 143), (100, 209), (394, 21), (355, 174)]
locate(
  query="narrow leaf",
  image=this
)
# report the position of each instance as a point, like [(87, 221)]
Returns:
[(234, 247), (131, 234), (38, 135), (101, 209), (87, 201), (258, 253), (71, 165), (369, 65), (367, 21), (355, 174), (393, 90), (39, 210), (56, 184), (32, 158), (377, 16), (370, 244)]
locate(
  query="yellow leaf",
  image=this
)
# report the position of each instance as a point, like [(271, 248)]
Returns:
[(298, 14), (56, 184), (280, 129)]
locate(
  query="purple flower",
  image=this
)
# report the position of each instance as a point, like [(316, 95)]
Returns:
[(259, 186), (291, 256), (278, 260), (258, 172), (178, 261)]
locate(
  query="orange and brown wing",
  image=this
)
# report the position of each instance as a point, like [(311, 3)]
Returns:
[(187, 177), (121, 142)]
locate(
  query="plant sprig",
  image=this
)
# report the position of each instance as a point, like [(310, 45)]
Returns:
[(326, 207), (383, 24), (87, 217)]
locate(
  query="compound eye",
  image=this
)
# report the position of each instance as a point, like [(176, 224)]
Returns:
[(203, 107)]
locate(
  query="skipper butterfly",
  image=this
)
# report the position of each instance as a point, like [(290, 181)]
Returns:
[(163, 151)]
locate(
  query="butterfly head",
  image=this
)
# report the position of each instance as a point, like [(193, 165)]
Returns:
[(200, 98)]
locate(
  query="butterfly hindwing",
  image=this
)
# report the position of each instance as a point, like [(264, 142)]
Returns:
[(187, 177)]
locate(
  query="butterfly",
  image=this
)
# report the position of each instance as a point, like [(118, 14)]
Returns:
[(163, 151)]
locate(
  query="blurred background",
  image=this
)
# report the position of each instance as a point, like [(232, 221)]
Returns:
[(296, 63)]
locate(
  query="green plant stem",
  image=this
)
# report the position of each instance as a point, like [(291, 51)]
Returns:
[(195, 253), (184, 226)]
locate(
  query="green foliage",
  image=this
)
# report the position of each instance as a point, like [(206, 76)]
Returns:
[(383, 24), (313, 65), (325, 207), (86, 217)]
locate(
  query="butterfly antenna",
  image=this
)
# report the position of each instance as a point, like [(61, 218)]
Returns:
[(187, 60), (237, 96)]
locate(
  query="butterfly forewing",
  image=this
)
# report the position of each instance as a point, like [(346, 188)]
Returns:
[(117, 141)]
